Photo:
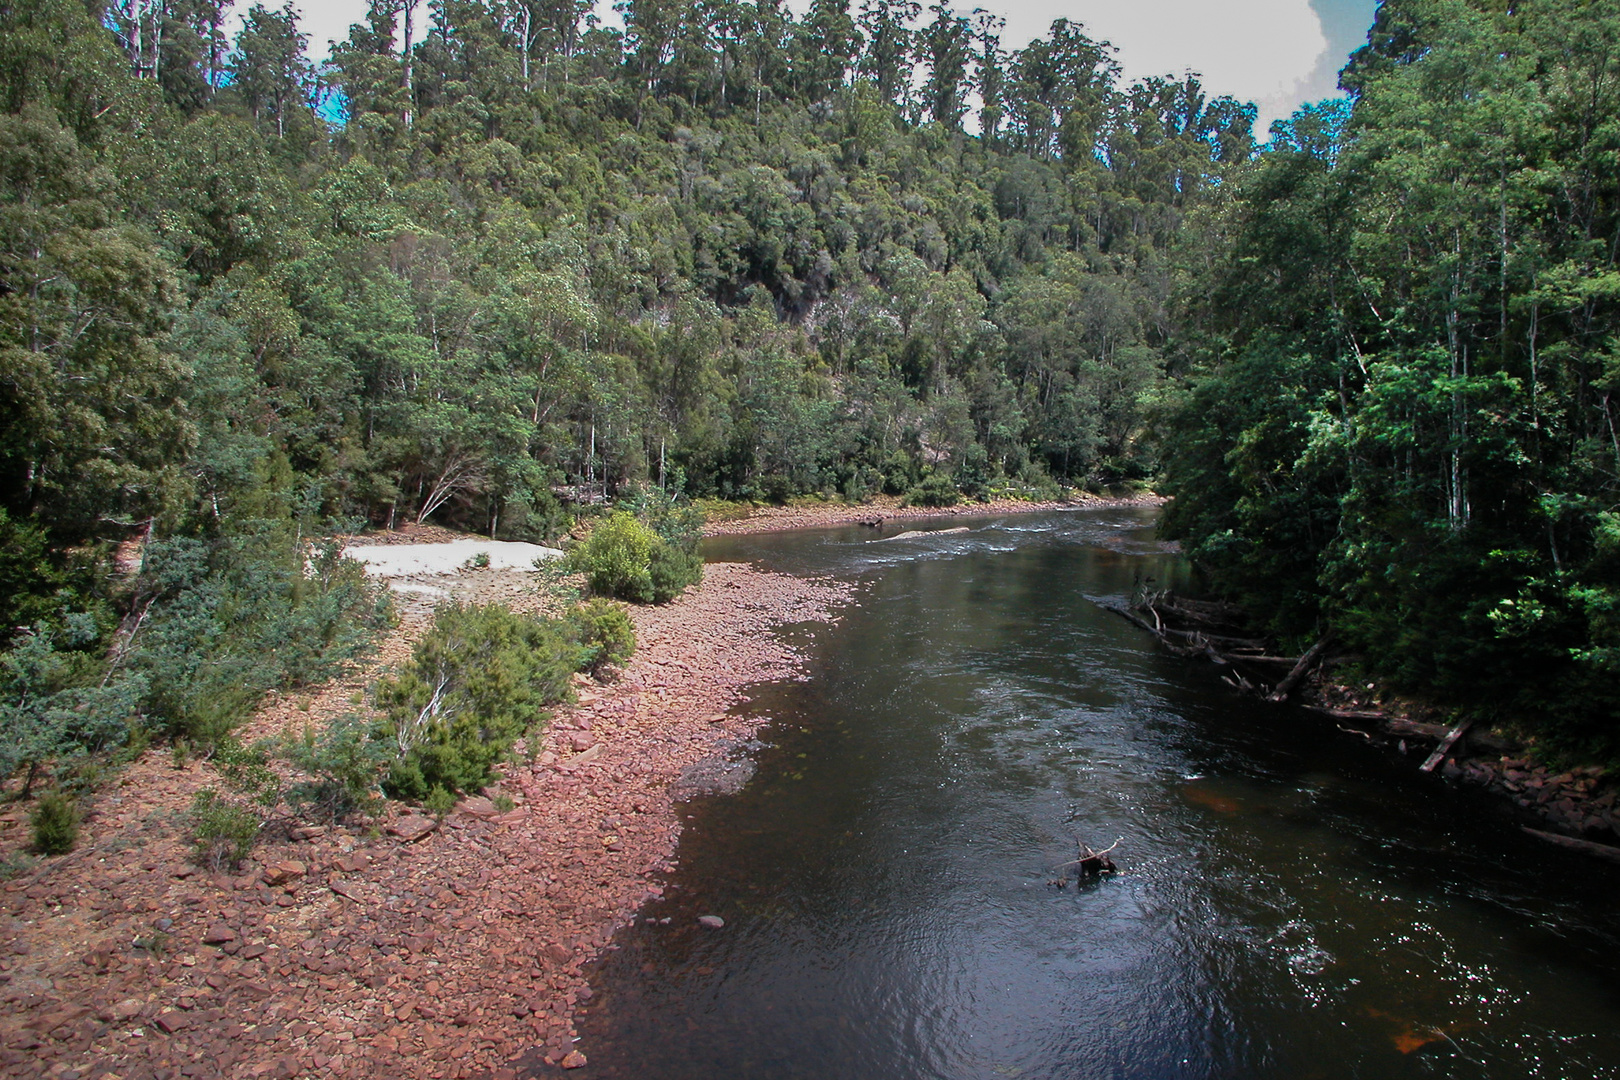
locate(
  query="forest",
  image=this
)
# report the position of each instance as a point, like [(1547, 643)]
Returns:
[(511, 265)]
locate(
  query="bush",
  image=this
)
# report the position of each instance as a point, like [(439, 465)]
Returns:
[(222, 831), (55, 823), (342, 768), (936, 489), (673, 569), (236, 616), (629, 560), (605, 633), (617, 558), (58, 702), (478, 680)]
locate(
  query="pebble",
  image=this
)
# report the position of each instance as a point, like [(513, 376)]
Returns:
[(713, 922)]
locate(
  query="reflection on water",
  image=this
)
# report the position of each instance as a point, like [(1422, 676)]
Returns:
[(1292, 906)]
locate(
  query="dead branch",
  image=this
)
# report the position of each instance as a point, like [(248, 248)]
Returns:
[(1282, 690), (1445, 746)]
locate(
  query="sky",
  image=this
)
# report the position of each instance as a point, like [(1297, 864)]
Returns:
[(1277, 53)]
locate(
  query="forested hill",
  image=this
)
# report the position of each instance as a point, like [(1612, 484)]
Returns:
[(469, 270), (537, 253)]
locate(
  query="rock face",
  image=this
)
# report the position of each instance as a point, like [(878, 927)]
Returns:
[(435, 950)]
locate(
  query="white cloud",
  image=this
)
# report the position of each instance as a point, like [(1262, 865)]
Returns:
[(1256, 50)]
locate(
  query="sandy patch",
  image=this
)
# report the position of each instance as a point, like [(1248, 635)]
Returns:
[(408, 560)]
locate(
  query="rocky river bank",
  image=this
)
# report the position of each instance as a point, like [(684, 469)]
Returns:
[(412, 948)]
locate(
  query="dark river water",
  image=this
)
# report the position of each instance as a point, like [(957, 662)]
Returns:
[(1291, 905)]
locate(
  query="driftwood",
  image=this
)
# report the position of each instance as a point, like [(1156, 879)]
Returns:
[(1225, 650), (1091, 863), (1284, 688), (1445, 746), (1585, 847), (1416, 728)]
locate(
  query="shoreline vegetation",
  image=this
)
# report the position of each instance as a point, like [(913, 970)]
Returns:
[(733, 519), (409, 946), (1571, 805), (400, 945)]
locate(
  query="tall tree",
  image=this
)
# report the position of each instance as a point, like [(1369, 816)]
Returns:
[(947, 46), (269, 71)]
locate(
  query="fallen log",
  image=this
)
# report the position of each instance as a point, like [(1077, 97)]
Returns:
[(1399, 726), (1126, 613), (1445, 746), (1250, 658), (1586, 847), (1281, 691), (1207, 610)]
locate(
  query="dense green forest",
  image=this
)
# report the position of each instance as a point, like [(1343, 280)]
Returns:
[(1400, 426), (490, 269)]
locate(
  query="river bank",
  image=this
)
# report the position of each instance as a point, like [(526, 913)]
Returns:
[(884, 508), (414, 949), (1577, 807)]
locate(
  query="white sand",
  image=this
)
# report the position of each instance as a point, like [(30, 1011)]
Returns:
[(408, 560)]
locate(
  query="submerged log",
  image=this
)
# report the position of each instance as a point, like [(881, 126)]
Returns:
[(1585, 847), (1090, 863)]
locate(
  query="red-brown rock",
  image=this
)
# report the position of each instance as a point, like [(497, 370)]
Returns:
[(413, 828)]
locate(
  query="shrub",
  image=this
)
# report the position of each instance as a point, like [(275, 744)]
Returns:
[(627, 559), (673, 569), (58, 702), (222, 831), (55, 823), (235, 616), (479, 679), (606, 635), (439, 802), (617, 558), (342, 768), (935, 489)]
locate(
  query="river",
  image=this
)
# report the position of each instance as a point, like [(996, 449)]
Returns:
[(1292, 904)]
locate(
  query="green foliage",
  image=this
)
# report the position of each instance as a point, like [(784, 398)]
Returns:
[(935, 489), (1400, 424), (235, 617), (32, 578), (479, 679), (54, 822), (439, 801), (342, 768), (248, 771), (617, 557), (605, 633), (58, 701), (222, 832), (644, 564)]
